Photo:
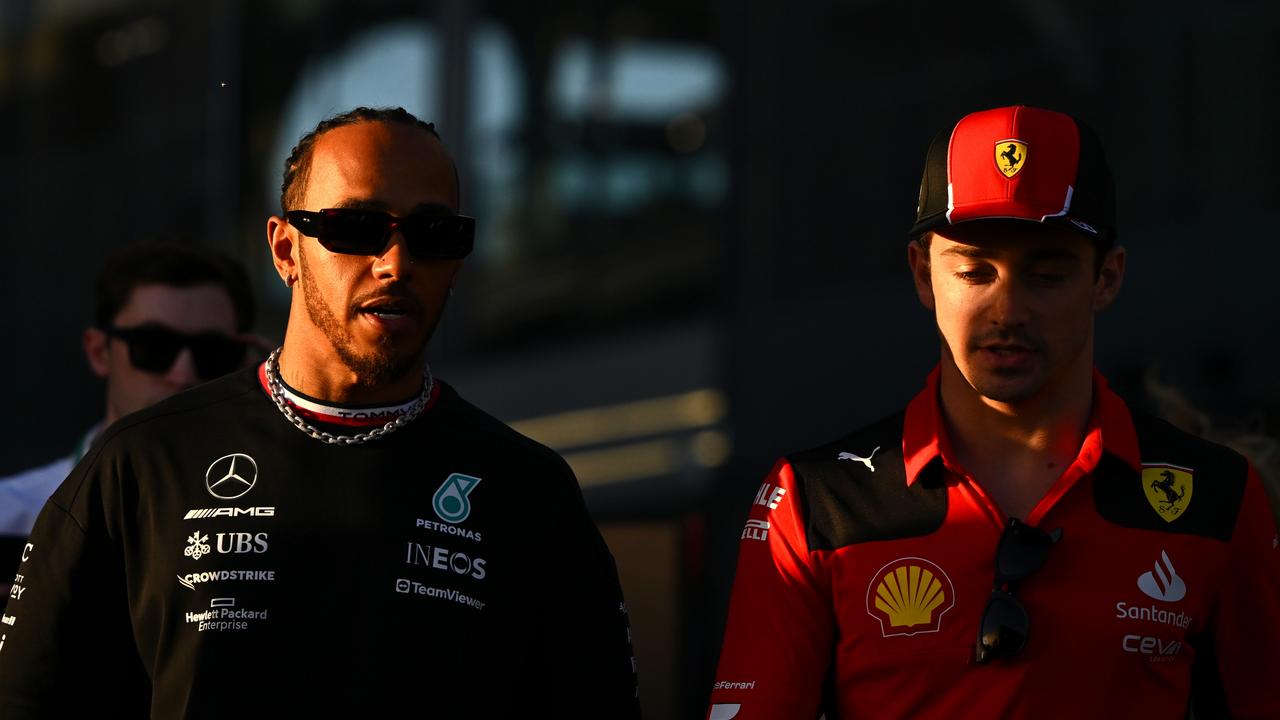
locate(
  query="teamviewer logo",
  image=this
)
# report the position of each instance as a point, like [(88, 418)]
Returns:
[(402, 586)]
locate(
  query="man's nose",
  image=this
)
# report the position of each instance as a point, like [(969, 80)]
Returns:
[(182, 374), (1011, 304), (394, 261)]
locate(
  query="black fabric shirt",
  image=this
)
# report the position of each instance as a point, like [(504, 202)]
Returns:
[(207, 559)]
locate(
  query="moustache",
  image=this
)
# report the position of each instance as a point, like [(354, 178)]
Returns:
[(1005, 337), (395, 297)]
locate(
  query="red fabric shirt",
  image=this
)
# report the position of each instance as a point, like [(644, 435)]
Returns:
[(885, 627)]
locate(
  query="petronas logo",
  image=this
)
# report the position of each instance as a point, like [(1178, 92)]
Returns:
[(451, 501)]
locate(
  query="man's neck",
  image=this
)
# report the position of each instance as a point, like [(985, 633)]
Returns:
[(1016, 450), (314, 369)]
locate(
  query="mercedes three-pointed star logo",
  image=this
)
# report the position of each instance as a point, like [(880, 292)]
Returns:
[(231, 476)]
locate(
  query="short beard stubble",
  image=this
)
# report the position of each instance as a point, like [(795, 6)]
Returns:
[(381, 366)]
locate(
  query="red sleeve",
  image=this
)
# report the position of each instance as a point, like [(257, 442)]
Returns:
[(1246, 622), (778, 639)]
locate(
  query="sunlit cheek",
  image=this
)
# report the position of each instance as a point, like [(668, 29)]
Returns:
[(953, 320)]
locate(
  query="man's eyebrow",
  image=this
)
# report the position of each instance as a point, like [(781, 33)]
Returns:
[(1053, 254), (426, 208), (973, 251), (968, 251), (358, 204)]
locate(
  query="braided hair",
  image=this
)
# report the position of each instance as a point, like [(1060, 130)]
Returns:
[(297, 167)]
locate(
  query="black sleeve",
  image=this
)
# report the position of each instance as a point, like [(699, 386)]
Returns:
[(586, 636), (66, 643)]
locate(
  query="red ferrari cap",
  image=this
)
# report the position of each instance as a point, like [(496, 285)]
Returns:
[(1018, 162)]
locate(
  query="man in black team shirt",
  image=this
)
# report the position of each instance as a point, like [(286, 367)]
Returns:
[(335, 533)]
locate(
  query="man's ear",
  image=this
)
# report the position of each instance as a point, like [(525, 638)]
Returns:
[(918, 259), (1110, 278), (282, 244), (97, 350)]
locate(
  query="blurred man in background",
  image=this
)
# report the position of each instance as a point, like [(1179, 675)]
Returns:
[(1017, 543), (166, 318)]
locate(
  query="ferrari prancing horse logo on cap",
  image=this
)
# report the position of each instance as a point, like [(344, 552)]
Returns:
[(1011, 156)]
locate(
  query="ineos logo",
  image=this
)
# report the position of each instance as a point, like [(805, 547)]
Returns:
[(231, 476)]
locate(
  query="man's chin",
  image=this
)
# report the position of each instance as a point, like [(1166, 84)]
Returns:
[(1005, 386), (384, 364)]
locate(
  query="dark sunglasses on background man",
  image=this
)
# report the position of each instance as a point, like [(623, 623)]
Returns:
[(1006, 625), (154, 348), (365, 232)]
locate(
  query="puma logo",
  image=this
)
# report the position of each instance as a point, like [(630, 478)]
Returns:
[(864, 460)]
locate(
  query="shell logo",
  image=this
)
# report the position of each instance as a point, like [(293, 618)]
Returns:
[(909, 596)]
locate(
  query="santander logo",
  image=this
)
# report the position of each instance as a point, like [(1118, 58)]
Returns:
[(1162, 582)]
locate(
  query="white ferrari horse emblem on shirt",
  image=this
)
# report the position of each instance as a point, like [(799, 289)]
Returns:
[(864, 460)]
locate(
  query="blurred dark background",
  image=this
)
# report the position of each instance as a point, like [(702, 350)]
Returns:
[(691, 216)]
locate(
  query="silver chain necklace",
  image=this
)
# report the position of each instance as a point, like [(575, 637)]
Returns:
[(275, 385)]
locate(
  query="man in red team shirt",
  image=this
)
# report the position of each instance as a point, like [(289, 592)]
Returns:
[(1017, 543)]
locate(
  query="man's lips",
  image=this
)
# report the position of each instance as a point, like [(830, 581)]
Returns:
[(1006, 349), (1007, 356), (388, 305), (389, 312)]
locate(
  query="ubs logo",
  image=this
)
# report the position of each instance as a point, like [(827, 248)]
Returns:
[(231, 476)]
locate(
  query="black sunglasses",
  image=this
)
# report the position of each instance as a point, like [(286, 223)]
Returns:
[(1005, 625), (154, 348), (365, 232)]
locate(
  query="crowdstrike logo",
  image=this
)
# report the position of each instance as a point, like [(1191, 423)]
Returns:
[(190, 580), (1163, 583), (231, 476)]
